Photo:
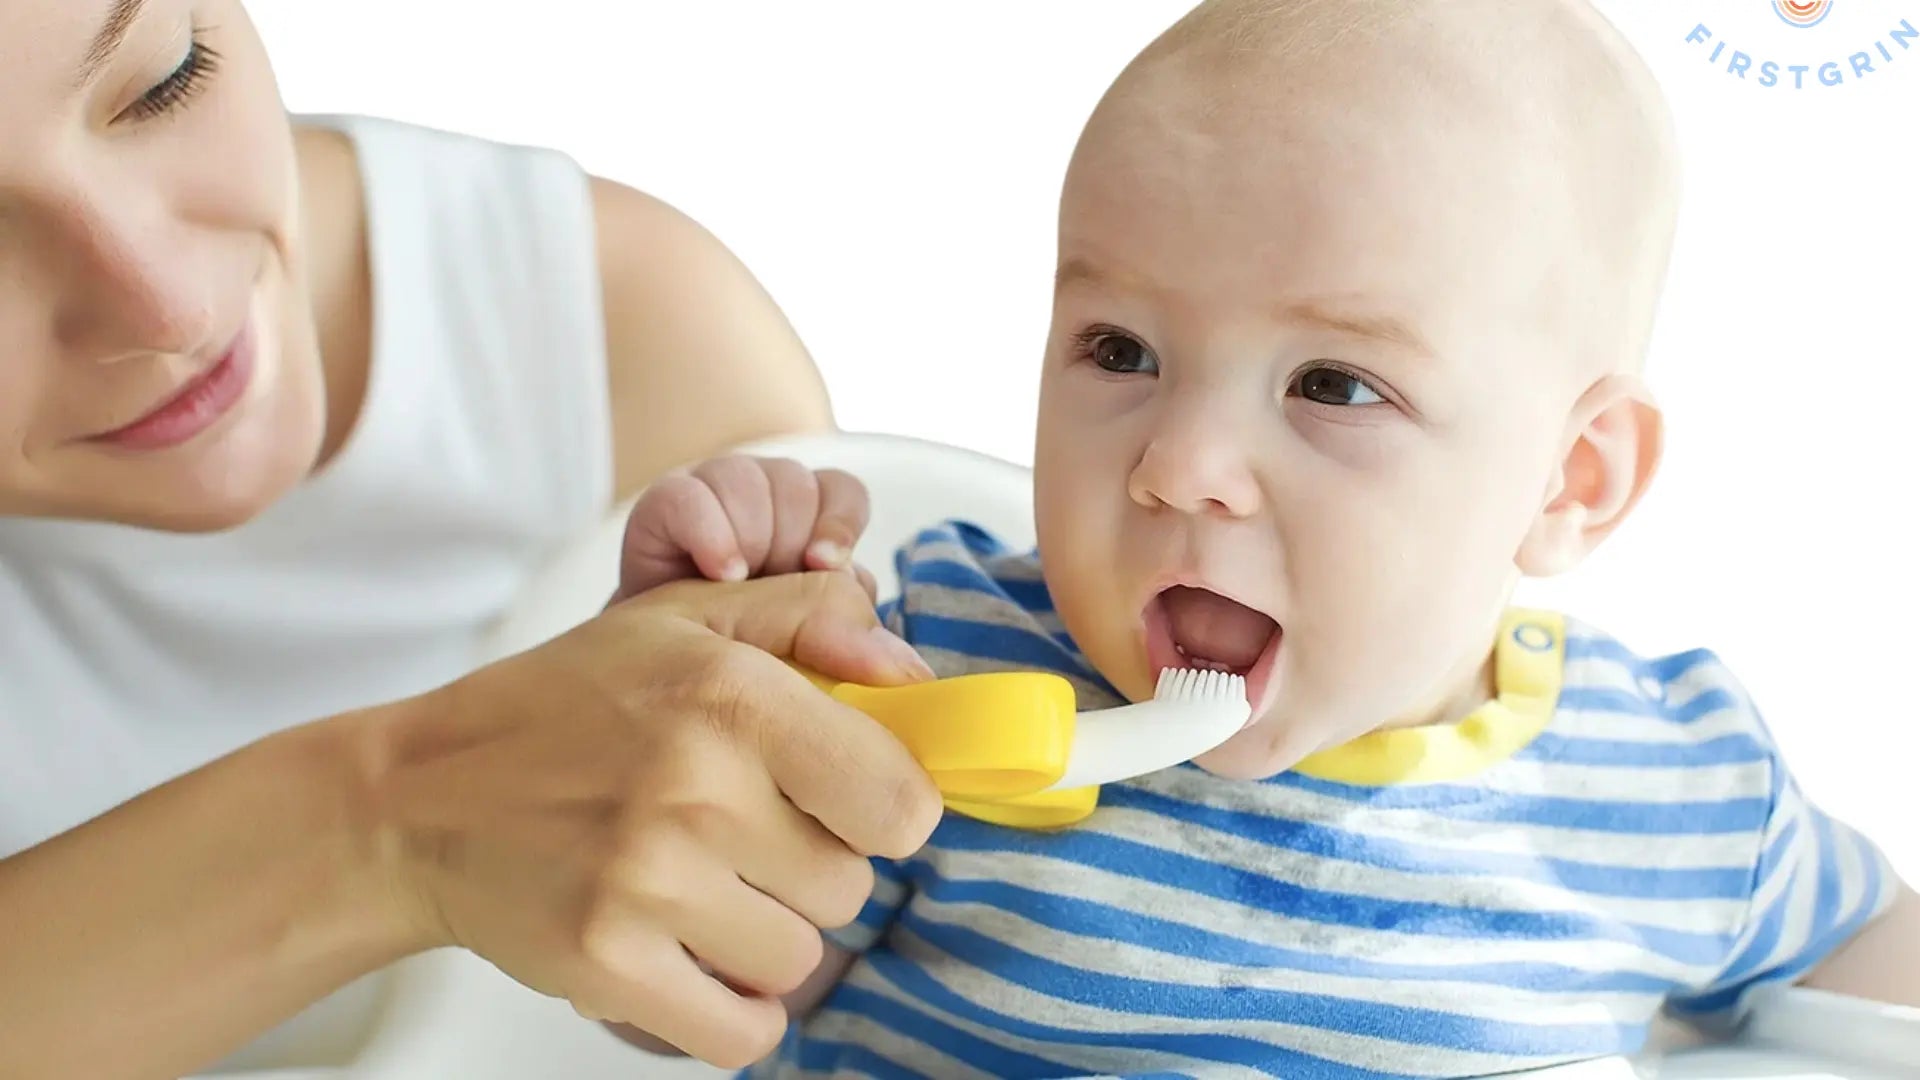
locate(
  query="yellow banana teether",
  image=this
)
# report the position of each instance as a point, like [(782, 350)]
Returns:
[(1008, 748)]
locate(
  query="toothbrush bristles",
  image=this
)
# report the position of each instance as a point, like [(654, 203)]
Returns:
[(1199, 684)]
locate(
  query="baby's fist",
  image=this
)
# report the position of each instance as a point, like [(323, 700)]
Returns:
[(731, 518)]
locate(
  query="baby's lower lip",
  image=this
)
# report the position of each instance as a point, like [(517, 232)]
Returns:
[(1262, 678)]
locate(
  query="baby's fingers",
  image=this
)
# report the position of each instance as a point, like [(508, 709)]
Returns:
[(689, 522), (842, 518), (796, 507), (746, 494)]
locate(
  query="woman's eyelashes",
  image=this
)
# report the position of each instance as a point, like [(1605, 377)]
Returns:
[(179, 87)]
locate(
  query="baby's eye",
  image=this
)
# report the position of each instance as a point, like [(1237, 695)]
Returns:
[(1121, 354), (1333, 386)]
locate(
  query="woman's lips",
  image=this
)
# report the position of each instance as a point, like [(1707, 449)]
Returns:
[(195, 407)]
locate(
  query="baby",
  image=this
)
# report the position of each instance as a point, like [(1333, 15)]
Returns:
[(1351, 306)]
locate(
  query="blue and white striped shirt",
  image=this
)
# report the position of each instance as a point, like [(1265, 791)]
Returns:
[(1645, 849)]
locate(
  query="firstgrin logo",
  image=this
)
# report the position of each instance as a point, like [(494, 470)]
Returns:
[(1804, 14)]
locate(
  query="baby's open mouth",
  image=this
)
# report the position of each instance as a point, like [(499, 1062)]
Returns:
[(1190, 626)]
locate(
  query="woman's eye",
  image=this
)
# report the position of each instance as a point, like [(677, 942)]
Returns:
[(1119, 353), (1334, 386), (180, 85)]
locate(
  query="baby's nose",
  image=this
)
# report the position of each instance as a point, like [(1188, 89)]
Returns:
[(1196, 471)]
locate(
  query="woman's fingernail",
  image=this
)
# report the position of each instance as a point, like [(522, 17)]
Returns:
[(735, 570), (902, 653), (828, 553)]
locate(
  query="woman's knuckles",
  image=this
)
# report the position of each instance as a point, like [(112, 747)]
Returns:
[(800, 950), (739, 1044), (719, 683), (616, 943), (656, 872), (845, 886)]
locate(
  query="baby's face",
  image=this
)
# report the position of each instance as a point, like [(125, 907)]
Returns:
[(1304, 396)]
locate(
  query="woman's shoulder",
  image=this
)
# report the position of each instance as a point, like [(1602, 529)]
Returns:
[(446, 196), (423, 145)]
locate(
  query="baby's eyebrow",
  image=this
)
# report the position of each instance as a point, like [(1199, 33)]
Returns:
[(1321, 314), (1080, 271), (1380, 327)]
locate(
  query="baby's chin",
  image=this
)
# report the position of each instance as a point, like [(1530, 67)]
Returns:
[(1261, 751)]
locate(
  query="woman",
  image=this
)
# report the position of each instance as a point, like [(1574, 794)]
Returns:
[(287, 415)]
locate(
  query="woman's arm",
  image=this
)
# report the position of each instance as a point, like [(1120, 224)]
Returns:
[(164, 934), (699, 358), (639, 816)]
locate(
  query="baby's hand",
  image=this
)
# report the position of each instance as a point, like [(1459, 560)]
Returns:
[(737, 517)]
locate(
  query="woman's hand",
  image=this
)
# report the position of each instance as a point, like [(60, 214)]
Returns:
[(655, 796)]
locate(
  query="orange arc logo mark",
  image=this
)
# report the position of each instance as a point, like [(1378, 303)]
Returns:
[(1802, 13)]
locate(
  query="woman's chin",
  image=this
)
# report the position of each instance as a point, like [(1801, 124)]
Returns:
[(220, 481), (212, 513), (219, 499)]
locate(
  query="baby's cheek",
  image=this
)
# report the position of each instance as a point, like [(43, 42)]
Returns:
[(1359, 654), (1087, 594), (1087, 600), (1352, 675)]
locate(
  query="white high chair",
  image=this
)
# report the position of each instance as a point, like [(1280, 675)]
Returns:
[(449, 1014)]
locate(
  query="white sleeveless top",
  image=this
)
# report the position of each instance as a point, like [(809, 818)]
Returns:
[(129, 657)]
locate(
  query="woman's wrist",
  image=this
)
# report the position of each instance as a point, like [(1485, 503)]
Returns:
[(352, 758)]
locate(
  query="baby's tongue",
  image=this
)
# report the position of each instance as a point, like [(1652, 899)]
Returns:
[(1208, 626)]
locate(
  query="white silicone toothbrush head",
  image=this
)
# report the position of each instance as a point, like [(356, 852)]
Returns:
[(1193, 710)]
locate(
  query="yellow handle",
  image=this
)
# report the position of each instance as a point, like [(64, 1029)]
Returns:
[(993, 742)]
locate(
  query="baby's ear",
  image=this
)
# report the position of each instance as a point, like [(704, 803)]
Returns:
[(1612, 447)]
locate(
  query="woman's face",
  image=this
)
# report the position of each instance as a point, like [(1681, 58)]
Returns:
[(158, 360)]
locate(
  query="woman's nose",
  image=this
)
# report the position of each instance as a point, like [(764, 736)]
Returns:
[(130, 281)]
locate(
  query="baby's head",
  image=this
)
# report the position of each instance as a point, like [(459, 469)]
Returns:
[(1352, 299)]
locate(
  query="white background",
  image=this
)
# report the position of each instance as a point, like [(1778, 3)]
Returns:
[(889, 169)]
